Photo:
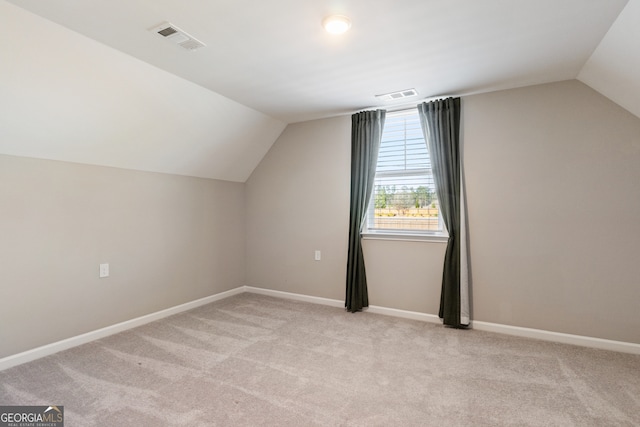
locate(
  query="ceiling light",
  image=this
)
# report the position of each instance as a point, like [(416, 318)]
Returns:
[(336, 24)]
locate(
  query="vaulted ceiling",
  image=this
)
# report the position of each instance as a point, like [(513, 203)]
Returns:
[(85, 81)]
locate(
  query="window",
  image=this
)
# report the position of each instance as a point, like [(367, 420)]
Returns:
[(404, 200)]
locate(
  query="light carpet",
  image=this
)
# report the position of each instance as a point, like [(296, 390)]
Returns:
[(253, 360)]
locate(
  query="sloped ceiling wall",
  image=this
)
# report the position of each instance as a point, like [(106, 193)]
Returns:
[(70, 98), (66, 97), (613, 69)]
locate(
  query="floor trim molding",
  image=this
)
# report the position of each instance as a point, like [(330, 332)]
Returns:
[(45, 350), (296, 297), (55, 347), (340, 304), (413, 315), (558, 337), (579, 340)]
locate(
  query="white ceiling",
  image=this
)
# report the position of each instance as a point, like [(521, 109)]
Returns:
[(274, 56), (268, 63), (66, 97)]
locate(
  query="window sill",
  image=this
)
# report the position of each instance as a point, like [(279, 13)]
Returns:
[(405, 237)]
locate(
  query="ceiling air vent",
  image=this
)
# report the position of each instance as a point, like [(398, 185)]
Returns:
[(177, 36), (397, 95)]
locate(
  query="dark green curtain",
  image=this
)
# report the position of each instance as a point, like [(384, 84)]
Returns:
[(440, 122), (366, 133)]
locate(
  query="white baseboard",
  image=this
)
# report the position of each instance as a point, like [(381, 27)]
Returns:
[(36, 353), (296, 297), (46, 350), (413, 315), (339, 303), (580, 340)]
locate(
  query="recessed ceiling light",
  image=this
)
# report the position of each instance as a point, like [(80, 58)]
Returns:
[(336, 24)]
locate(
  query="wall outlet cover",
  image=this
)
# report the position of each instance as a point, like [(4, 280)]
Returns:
[(104, 270)]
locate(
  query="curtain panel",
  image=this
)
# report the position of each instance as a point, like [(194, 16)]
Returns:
[(366, 133), (440, 122)]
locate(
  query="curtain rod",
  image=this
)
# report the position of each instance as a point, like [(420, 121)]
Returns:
[(400, 107), (409, 106)]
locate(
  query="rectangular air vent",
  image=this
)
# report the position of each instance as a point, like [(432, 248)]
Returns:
[(397, 95), (176, 35)]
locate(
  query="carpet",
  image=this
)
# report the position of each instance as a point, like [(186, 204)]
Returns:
[(253, 360)]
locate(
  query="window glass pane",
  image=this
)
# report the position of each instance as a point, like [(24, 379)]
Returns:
[(404, 197)]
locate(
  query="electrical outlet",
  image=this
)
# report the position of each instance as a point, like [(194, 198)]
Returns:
[(104, 270), (318, 256)]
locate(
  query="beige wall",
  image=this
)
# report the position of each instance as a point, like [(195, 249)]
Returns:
[(552, 175), (168, 240), (298, 202)]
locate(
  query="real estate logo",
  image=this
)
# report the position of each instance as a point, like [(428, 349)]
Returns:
[(31, 416)]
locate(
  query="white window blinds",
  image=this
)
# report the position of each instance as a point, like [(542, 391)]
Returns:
[(404, 197)]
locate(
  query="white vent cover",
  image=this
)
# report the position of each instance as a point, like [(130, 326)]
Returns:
[(397, 95), (177, 36)]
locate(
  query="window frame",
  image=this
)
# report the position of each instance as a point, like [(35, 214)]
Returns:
[(398, 234)]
